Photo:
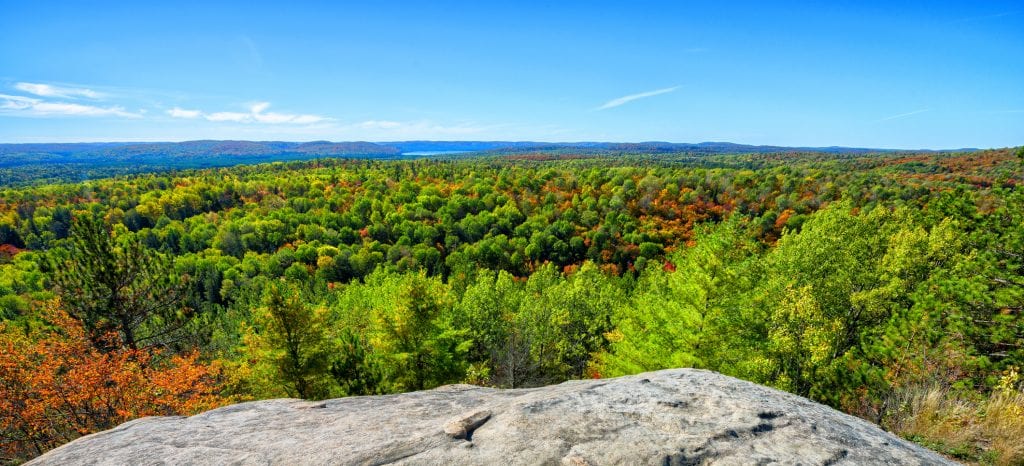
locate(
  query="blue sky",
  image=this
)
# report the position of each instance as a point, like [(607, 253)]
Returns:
[(868, 74)]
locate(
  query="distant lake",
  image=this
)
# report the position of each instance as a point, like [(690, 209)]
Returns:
[(436, 152)]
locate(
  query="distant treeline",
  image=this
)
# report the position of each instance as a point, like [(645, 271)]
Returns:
[(23, 164)]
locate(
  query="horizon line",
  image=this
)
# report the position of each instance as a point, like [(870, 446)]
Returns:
[(505, 141)]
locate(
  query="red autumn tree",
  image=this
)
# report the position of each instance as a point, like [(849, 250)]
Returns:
[(55, 385)]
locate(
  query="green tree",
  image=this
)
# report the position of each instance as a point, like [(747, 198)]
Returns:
[(682, 318), (500, 321), (353, 366), (291, 337), (567, 318), (826, 288), (112, 283), (412, 330)]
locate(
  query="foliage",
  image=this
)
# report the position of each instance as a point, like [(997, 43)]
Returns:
[(408, 327), (57, 386), (859, 280), (118, 286), (681, 311), (290, 337)]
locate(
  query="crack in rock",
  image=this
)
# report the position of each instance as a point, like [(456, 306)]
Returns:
[(711, 448)]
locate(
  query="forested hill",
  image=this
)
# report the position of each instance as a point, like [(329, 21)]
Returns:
[(34, 163), (113, 152), (646, 147), (181, 152), (41, 163)]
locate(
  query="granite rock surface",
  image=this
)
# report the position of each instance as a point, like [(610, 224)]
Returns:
[(669, 417)]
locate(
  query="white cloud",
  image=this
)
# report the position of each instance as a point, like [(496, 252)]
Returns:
[(629, 98), (47, 90), (257, 114), (16, 102), (259, 107), (28, 106), (228, 116), (177, 112)]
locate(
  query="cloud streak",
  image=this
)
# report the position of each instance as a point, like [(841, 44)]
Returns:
[(28, 106), (48, 90), (182, 113), (257, 114), (902, 115), (629, 98)]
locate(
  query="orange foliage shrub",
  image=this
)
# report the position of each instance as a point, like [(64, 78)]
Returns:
[(55, 386), (780, 222)]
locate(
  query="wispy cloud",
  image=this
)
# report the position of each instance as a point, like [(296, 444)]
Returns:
[(902, 115), (28, 106), (629, 98), (257, 114), (252, 55), (49, 90), (182, 113)]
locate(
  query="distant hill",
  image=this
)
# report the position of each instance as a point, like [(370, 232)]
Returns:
[(46, 163), (648, 147), (226, 151), (171, 152), (51, 162)]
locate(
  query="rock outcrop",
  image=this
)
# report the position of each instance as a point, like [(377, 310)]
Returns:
[(671, 417)]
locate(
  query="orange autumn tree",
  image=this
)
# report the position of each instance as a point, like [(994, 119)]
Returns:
[(55, 385)]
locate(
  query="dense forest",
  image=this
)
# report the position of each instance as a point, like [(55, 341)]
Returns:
[(37, 164), (886, 285)]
